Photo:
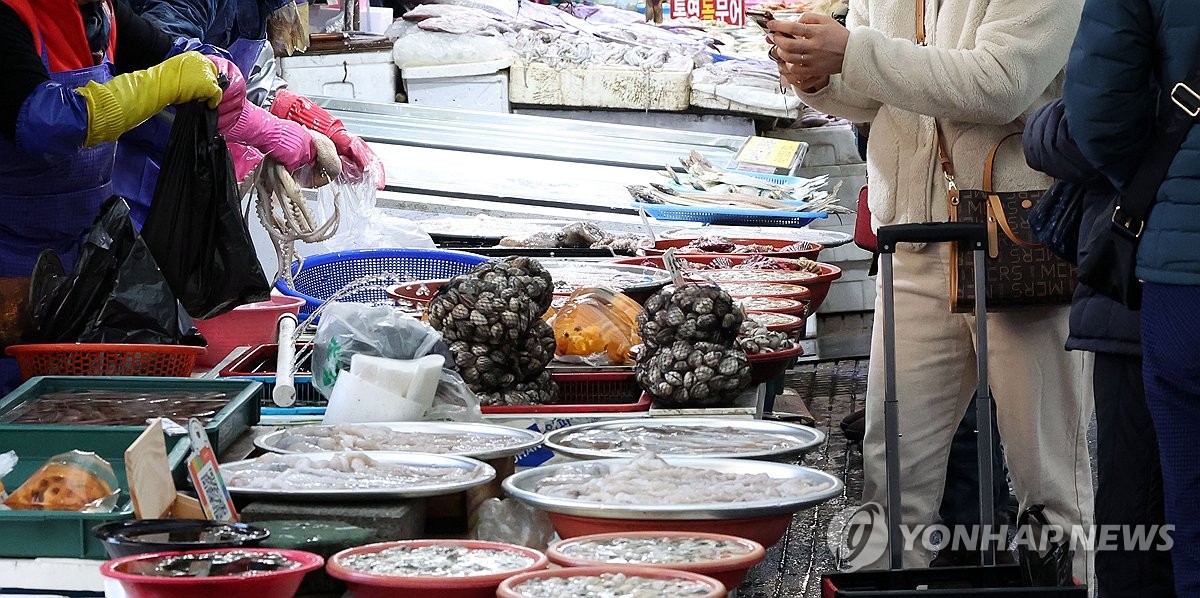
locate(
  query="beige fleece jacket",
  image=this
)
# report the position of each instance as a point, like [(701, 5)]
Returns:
[(987, 65)]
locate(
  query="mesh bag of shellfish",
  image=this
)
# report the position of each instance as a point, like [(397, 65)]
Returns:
[(491, 318), (695, 345)]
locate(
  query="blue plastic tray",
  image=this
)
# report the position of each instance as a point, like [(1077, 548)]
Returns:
[(729, 216)]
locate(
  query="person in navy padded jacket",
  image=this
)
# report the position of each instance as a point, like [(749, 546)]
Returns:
[(1127, 58), (1130, 479)]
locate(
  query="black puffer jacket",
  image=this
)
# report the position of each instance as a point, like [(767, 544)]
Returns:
[(1098, 323)]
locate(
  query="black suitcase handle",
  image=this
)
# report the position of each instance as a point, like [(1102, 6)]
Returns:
[(931, 232)]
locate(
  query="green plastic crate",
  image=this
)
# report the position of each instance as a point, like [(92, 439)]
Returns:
[(239, 414), (29, 534), (57, 534)]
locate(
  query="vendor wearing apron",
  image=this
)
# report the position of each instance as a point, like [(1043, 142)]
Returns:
[(69, 92)]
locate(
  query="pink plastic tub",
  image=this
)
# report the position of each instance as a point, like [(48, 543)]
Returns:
[(252, 325)]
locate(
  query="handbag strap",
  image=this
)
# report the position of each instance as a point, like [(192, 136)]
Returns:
[(1133, 206), (938, 136)]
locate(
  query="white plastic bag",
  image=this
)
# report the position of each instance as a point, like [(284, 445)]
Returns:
[(363, 225)]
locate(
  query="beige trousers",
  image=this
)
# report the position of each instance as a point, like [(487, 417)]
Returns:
[(1042, 394)]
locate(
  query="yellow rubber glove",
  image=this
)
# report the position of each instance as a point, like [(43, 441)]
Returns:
[(130, 99)]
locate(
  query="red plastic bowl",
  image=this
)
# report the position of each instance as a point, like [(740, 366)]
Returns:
[(788, 324), (811, 251), (507, 589), (274, 584), (249, 325), (730, 571), (819, 285), (420, 292), (765, 367), (764, 530), (791, 307), (368, 585)]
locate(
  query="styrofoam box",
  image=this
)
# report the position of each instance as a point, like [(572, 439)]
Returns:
[(599, 87), (485, 93), (365, 76), (831, 145)]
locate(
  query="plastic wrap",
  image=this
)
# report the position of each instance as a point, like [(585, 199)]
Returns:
[(74, 481), (417, 47), (511, 521), (596, 326)]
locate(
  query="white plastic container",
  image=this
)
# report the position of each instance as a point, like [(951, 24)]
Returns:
[(384, 390), (365, 76), (481, 86), (600, 87)]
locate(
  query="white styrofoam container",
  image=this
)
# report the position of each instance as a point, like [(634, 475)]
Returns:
[(484, 93), (479, 86), (830, 145), (599, 87), (365, 76)]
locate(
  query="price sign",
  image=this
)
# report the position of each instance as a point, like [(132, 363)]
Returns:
[(206, 477), (728, 11), (778, 156)]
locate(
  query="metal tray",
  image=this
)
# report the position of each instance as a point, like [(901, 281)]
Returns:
[(528, 438), (808, 438), (367, 494), (522, 487)]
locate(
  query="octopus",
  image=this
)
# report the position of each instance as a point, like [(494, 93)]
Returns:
[(648, 480), (357, 437), (678, 440), (343, 471)]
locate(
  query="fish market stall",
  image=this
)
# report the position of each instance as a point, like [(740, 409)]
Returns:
[(384, 477)]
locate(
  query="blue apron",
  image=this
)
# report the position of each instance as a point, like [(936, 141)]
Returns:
[(48, 202)]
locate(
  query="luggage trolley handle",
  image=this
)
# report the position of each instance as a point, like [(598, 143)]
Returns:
[(974, 235)]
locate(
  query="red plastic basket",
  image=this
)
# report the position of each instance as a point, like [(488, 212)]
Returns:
[(585, 392), (79, 359)]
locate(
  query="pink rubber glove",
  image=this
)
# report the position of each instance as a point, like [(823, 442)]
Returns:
[(287, 142), (232, 100), (302, 110), (245, 159)]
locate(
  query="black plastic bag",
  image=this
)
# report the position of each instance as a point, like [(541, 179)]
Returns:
[(1048, 565), (114, 294), (195, 227)]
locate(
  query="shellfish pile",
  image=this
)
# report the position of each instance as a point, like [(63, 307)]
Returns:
[(690, 357), (756, 338), (492, 319)]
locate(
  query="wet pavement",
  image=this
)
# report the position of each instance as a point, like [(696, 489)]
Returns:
[(793, 568)]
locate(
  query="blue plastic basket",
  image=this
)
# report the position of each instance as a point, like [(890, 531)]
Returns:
[(324, 275), (729, 216)]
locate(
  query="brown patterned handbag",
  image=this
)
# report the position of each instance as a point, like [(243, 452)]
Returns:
[(1021, 273)]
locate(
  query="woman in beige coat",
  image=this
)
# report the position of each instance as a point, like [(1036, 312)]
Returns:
[(984, 66)]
